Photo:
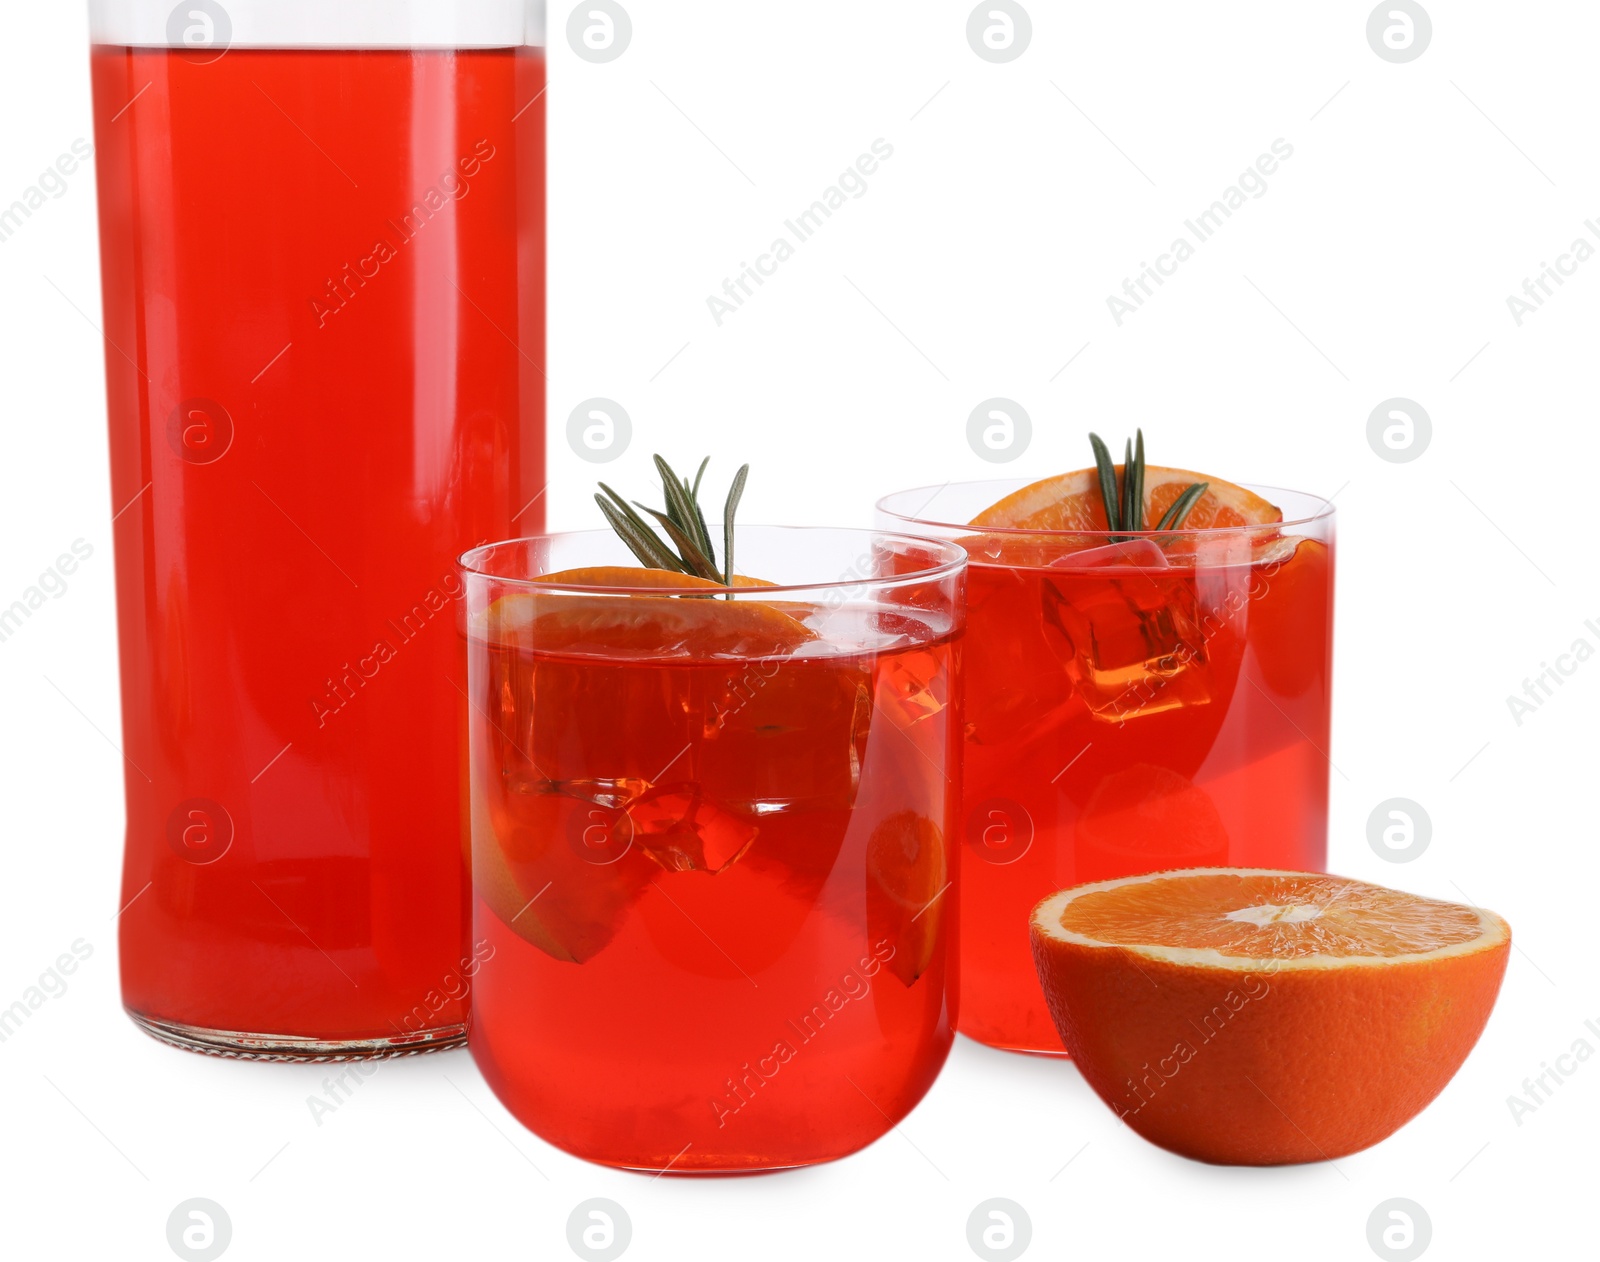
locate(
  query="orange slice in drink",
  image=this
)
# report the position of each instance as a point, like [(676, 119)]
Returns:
[(561, 871), (538, 883), (1072, 501), (1146, 818), (906, 874), (1253, 1017), (650, 626), (528, 865)]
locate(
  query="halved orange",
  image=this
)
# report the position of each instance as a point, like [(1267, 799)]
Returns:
[(1072, 501), (653, 626), (1253, 1017)]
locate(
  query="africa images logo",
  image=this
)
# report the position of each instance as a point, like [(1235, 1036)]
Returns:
[(1251, 184), (450, 187), (802, 227)]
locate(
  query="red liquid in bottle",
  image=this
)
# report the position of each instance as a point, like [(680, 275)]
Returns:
[(323, 289)]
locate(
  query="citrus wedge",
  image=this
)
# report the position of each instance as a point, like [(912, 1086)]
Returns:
[(1252, 1017), (653, 626), (1072, 501)]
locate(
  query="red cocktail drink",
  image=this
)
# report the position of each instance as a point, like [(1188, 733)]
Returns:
[(710, 848), (323, 291), (1132, 704)]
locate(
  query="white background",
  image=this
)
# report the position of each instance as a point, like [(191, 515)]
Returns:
[(1376, 265)]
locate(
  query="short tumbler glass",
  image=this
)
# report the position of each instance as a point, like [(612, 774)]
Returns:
[(1133, 702), (709, 843)]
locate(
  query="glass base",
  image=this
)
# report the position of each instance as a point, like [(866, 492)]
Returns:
[(717, 1169), (1009, 1045), (236, 1045)]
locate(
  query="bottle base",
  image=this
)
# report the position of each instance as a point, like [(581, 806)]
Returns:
[(236, 1045)]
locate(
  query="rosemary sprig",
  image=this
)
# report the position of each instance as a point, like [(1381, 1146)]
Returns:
[(1125, 510), (1179, 508), (683, 521), (1135, 474), (735, 494), (641, 540), (1108, 481), (694, 560)]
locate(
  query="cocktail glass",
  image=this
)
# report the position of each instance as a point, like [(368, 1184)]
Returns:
[(1133, 702), (711, 860)]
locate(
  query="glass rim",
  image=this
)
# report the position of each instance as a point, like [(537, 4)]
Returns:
[(953, 562), (1325, 512)]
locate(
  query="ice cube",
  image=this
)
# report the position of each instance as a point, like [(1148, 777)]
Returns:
[(792, 740), (613, 794), (1142, 554), (684, 831), (914, 686), (1132, 645), (1014, 679)]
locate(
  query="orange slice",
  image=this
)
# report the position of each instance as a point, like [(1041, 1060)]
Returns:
[(906, 874), (1071, 501), (638, 576), (531, 856), (653, 626), (528, 866), (1146, 818), (1253, 1017)]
